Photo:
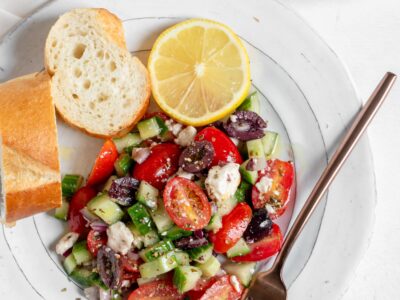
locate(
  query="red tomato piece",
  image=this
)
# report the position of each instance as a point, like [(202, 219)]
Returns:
[(130, 268), (95, 240), (201, 286), (156, 290), (225, 149), (268, 246), (161, 164), (186, 204), (104, 164), (225, 288), (234, 225), (76, 221), (281, 175)]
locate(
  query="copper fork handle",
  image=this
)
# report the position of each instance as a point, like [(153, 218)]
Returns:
[(357, 129)]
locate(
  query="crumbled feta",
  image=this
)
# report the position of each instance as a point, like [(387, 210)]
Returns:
[(233, 118), (186, 136), (264, 184), (140, 154), (66, 242), (120, 238), (184, 174), (235, 283), (235, 141), (223, 181), (270, 209), (174, 127)]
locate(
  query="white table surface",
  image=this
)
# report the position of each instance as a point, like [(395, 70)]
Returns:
[(366, 35)]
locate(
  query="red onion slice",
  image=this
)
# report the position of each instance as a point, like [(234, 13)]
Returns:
[(99, 226), (87, 215)]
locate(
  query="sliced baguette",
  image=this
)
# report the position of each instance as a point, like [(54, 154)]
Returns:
[(29, 165), (97, 85)]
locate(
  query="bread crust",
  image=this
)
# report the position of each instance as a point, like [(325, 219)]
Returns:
[(28, 129), (112, 28)]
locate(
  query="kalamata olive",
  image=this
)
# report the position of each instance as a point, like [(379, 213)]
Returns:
[(190, 242), (245, 125), (123, 190), (259, 227), (197, 156), (109, 267)]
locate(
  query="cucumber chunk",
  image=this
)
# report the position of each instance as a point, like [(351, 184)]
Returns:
[(61, 212), (147, 195), (139, 240), (255, 148), (242, 191), (70, 184), (161, 265), (128, 141), (250, 176), (182, 258), (210, 268), (140, 281), (157, 250), (240, 248), (175, 233), (215, 223), (69, 264), (84, 277), (270, 142), (225, 207), (201, 254), (151, 127), (150, 238), (123, 164), (140, 218), (106, 209), (107, 185), (161, 218), (81, 253), (251, 103), (186, 277), (243, 271)]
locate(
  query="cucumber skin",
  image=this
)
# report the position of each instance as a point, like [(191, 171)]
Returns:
[(141, 218), (157, 250), (186, 277), (270, 142), (159, 266), (242, 191), (123, 164), (175, 233), (84, 277), (70, 184), (201, 254)]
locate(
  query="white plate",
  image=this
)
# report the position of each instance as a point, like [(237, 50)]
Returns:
[(311, 100)]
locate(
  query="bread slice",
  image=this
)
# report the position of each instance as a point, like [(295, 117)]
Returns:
[(97, 85), (29, 164)]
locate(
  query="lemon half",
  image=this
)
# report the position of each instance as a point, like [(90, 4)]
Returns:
[(199, 71)]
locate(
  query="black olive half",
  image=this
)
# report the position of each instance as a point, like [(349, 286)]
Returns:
[(245, 126), (197, 156)]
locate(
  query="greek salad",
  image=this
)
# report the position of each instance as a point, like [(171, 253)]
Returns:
[(177, 212)]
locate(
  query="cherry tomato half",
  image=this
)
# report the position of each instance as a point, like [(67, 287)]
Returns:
[(95, 240), (156, 290), (234, 225), (265, 248), (225, 288), (225, 149), (76, 221), (104, 164), (186, 204), (201, 286), (281, 175), (162, 163)]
